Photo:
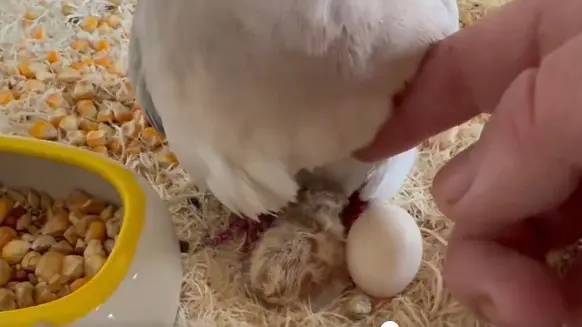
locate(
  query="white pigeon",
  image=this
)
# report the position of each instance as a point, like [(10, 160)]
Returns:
[(251, 93)]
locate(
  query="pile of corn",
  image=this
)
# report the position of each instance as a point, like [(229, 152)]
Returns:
[(51, 247), (81, 98)]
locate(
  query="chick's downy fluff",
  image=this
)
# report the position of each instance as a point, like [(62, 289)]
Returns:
[(302, 257), (251, 92)]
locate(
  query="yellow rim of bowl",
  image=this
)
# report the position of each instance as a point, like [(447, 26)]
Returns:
[(99, 289)]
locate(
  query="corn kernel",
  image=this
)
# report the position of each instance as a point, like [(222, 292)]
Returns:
[(43, 130), (88, 62), (87, 109), (69, 123), (166, 158), (84, 90), (96, 138), (102, 149), (115, 146), (57, 115), (69, 75), (88, 125), (67, 9), (79, 66), (39, 33), (90, 24), (134, 148), (31, 15), (34, 85), (109, 131), (105, 115), (53, 57), (104, 61), (77, 137), (104, 28), (54, 100), (114, 21), (114, 69), (151, 137), (44, 75), (102, 45), (121, 113), (80, 45), (6, 96), (25, 70)]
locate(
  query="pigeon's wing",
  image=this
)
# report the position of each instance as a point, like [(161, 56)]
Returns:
[(136, 76)]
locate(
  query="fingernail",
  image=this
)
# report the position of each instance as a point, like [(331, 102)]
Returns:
[(455, 179)]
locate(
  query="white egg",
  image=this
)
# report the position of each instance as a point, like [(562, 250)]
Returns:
[(384, 250)]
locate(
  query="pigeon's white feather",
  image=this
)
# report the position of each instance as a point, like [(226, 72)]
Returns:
[(251, 92)]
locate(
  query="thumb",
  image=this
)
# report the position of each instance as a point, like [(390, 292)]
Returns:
[(526, 161)]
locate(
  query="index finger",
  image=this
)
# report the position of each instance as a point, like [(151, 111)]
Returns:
[(467, 73)]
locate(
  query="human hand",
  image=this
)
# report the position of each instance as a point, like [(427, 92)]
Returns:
[(516, 193)]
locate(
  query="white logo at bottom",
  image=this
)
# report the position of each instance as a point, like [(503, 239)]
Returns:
[(389, 324)]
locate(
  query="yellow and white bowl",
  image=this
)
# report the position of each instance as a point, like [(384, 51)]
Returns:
[(139, 285)]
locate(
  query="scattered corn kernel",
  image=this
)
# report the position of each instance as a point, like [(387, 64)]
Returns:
[(88, 125), (76, 137), (105, 115), (24, 69), (129, 129), (102, 149), (38, 33), (69, 123), (34, 85), (44, 76), (104, 61), (6, 96), (121, 113), (81, 45), (83, 90), (166, 158), (133, 148), (69, 75), (102, 45), (90, 24), (96, 138), (115, 68), (8, 68), (53, 57), (115, 146), (104, 28), (55, 100), (27, 23), (78, 66), (43, 130), (152, 137), (31, 15), (57, 115), (114, 21), (67, 9), (88, 62), (109, 131), (87, 109)]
